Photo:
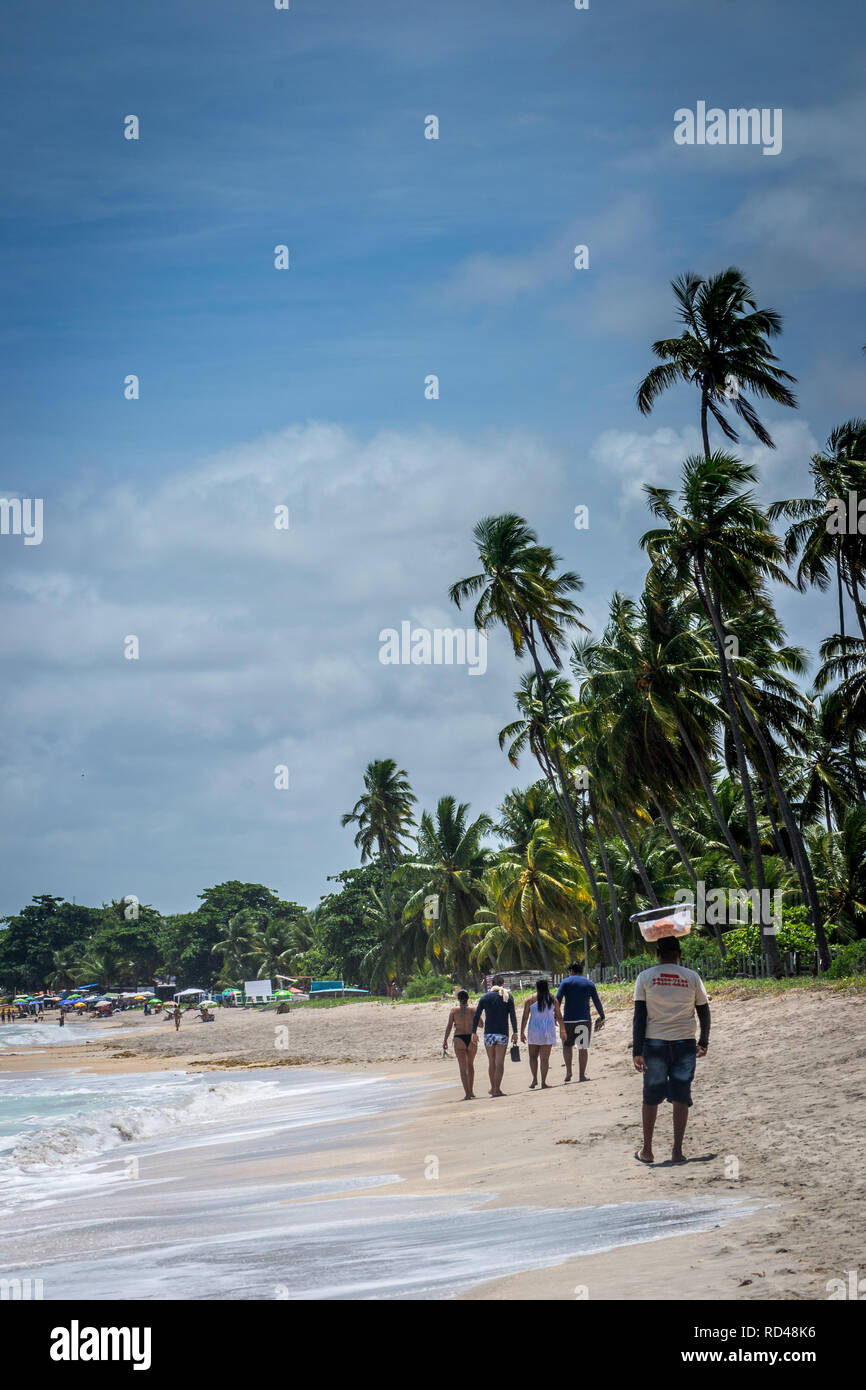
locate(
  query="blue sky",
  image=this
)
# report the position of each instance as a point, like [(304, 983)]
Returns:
[(408, 257)]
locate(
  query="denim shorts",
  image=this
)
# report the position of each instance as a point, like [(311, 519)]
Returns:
[(670, 1068)]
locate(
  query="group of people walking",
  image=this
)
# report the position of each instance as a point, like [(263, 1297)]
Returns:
[(670, 1007)]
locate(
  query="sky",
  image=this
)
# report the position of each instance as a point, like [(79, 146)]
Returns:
[(304, 388)]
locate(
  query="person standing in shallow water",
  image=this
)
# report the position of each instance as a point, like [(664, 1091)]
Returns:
[(465, 1042), (544, 1017), (497, 1007)]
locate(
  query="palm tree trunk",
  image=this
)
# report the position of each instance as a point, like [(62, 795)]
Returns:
[(704, 422), (545, 965), (859, 608), (706, 783), (801, 858), (564, 800), (605, 860), (676, 841), (708, 603), (771, 816), (636, 859)]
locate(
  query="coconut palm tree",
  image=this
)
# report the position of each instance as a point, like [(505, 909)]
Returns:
[(518, 587), (449, 865), (544, 896), (840, 868), (822, 549), (724, 350), (236, 948), (271, 948), (383, 815), (720, 542), (539, 734)]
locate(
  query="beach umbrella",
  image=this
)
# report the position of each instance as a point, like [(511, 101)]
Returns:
[(80, 1004)]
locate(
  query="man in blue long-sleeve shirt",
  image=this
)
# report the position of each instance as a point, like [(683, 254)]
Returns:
[(578, 992), (497, 1006)]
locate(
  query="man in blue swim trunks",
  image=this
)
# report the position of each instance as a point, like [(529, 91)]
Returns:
[(666, 999), (577, 992), (497, 1006)]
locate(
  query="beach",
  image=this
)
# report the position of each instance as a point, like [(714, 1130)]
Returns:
[(774, 1142)]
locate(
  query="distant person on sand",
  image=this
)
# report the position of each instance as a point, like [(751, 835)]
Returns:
[(176, 1017), (666, 999), (575, 995), (465, 1042), (497, 1006), (544, 1017), (62, 1019)]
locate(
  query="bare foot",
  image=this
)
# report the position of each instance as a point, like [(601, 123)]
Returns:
[(532, 1085), (677, 1156), (544, 1086), (643, 1157)]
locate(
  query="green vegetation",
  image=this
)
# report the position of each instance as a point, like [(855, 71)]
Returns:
[(684, 751)]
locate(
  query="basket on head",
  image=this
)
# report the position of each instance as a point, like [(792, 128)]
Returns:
[(657, 922)]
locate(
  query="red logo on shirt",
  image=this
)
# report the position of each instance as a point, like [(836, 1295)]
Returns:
[(664, 979)]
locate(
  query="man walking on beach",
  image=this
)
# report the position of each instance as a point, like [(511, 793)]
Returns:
[(578, 992), (497, 1006), (666, 999)]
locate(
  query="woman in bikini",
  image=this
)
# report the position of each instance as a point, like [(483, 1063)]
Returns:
[(544, 1018), (465, 1041)]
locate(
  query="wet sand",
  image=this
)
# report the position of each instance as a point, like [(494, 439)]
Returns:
[(778, 1121)]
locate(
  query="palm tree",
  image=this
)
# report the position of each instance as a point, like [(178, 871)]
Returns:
[(822, 549), (840, 867), (519, 811), (107, 967), (450, 863), (519, 588), (236, 948), (543, 896), (271, 948), (725, 339), (720, 542), (65, 967), (383, 816), (536, 732)]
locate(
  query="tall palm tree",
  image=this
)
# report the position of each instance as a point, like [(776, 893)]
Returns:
[(383, 815), (823, 550), (518, 587), (720, 542), (538, 733), (450, 862), (725, 338)]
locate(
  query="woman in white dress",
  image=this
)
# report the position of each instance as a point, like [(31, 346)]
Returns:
[(545, 1019)]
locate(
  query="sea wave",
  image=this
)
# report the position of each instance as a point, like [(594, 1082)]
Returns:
[(64, 1143)]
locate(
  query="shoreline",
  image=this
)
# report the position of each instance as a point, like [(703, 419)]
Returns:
[(760, 1130)]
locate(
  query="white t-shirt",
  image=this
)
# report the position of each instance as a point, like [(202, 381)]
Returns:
[(671, 993)]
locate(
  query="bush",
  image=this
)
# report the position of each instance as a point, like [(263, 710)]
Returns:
[(427, 987), (848, 960)]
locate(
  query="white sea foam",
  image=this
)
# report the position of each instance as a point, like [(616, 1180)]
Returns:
[(70, 1141)]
